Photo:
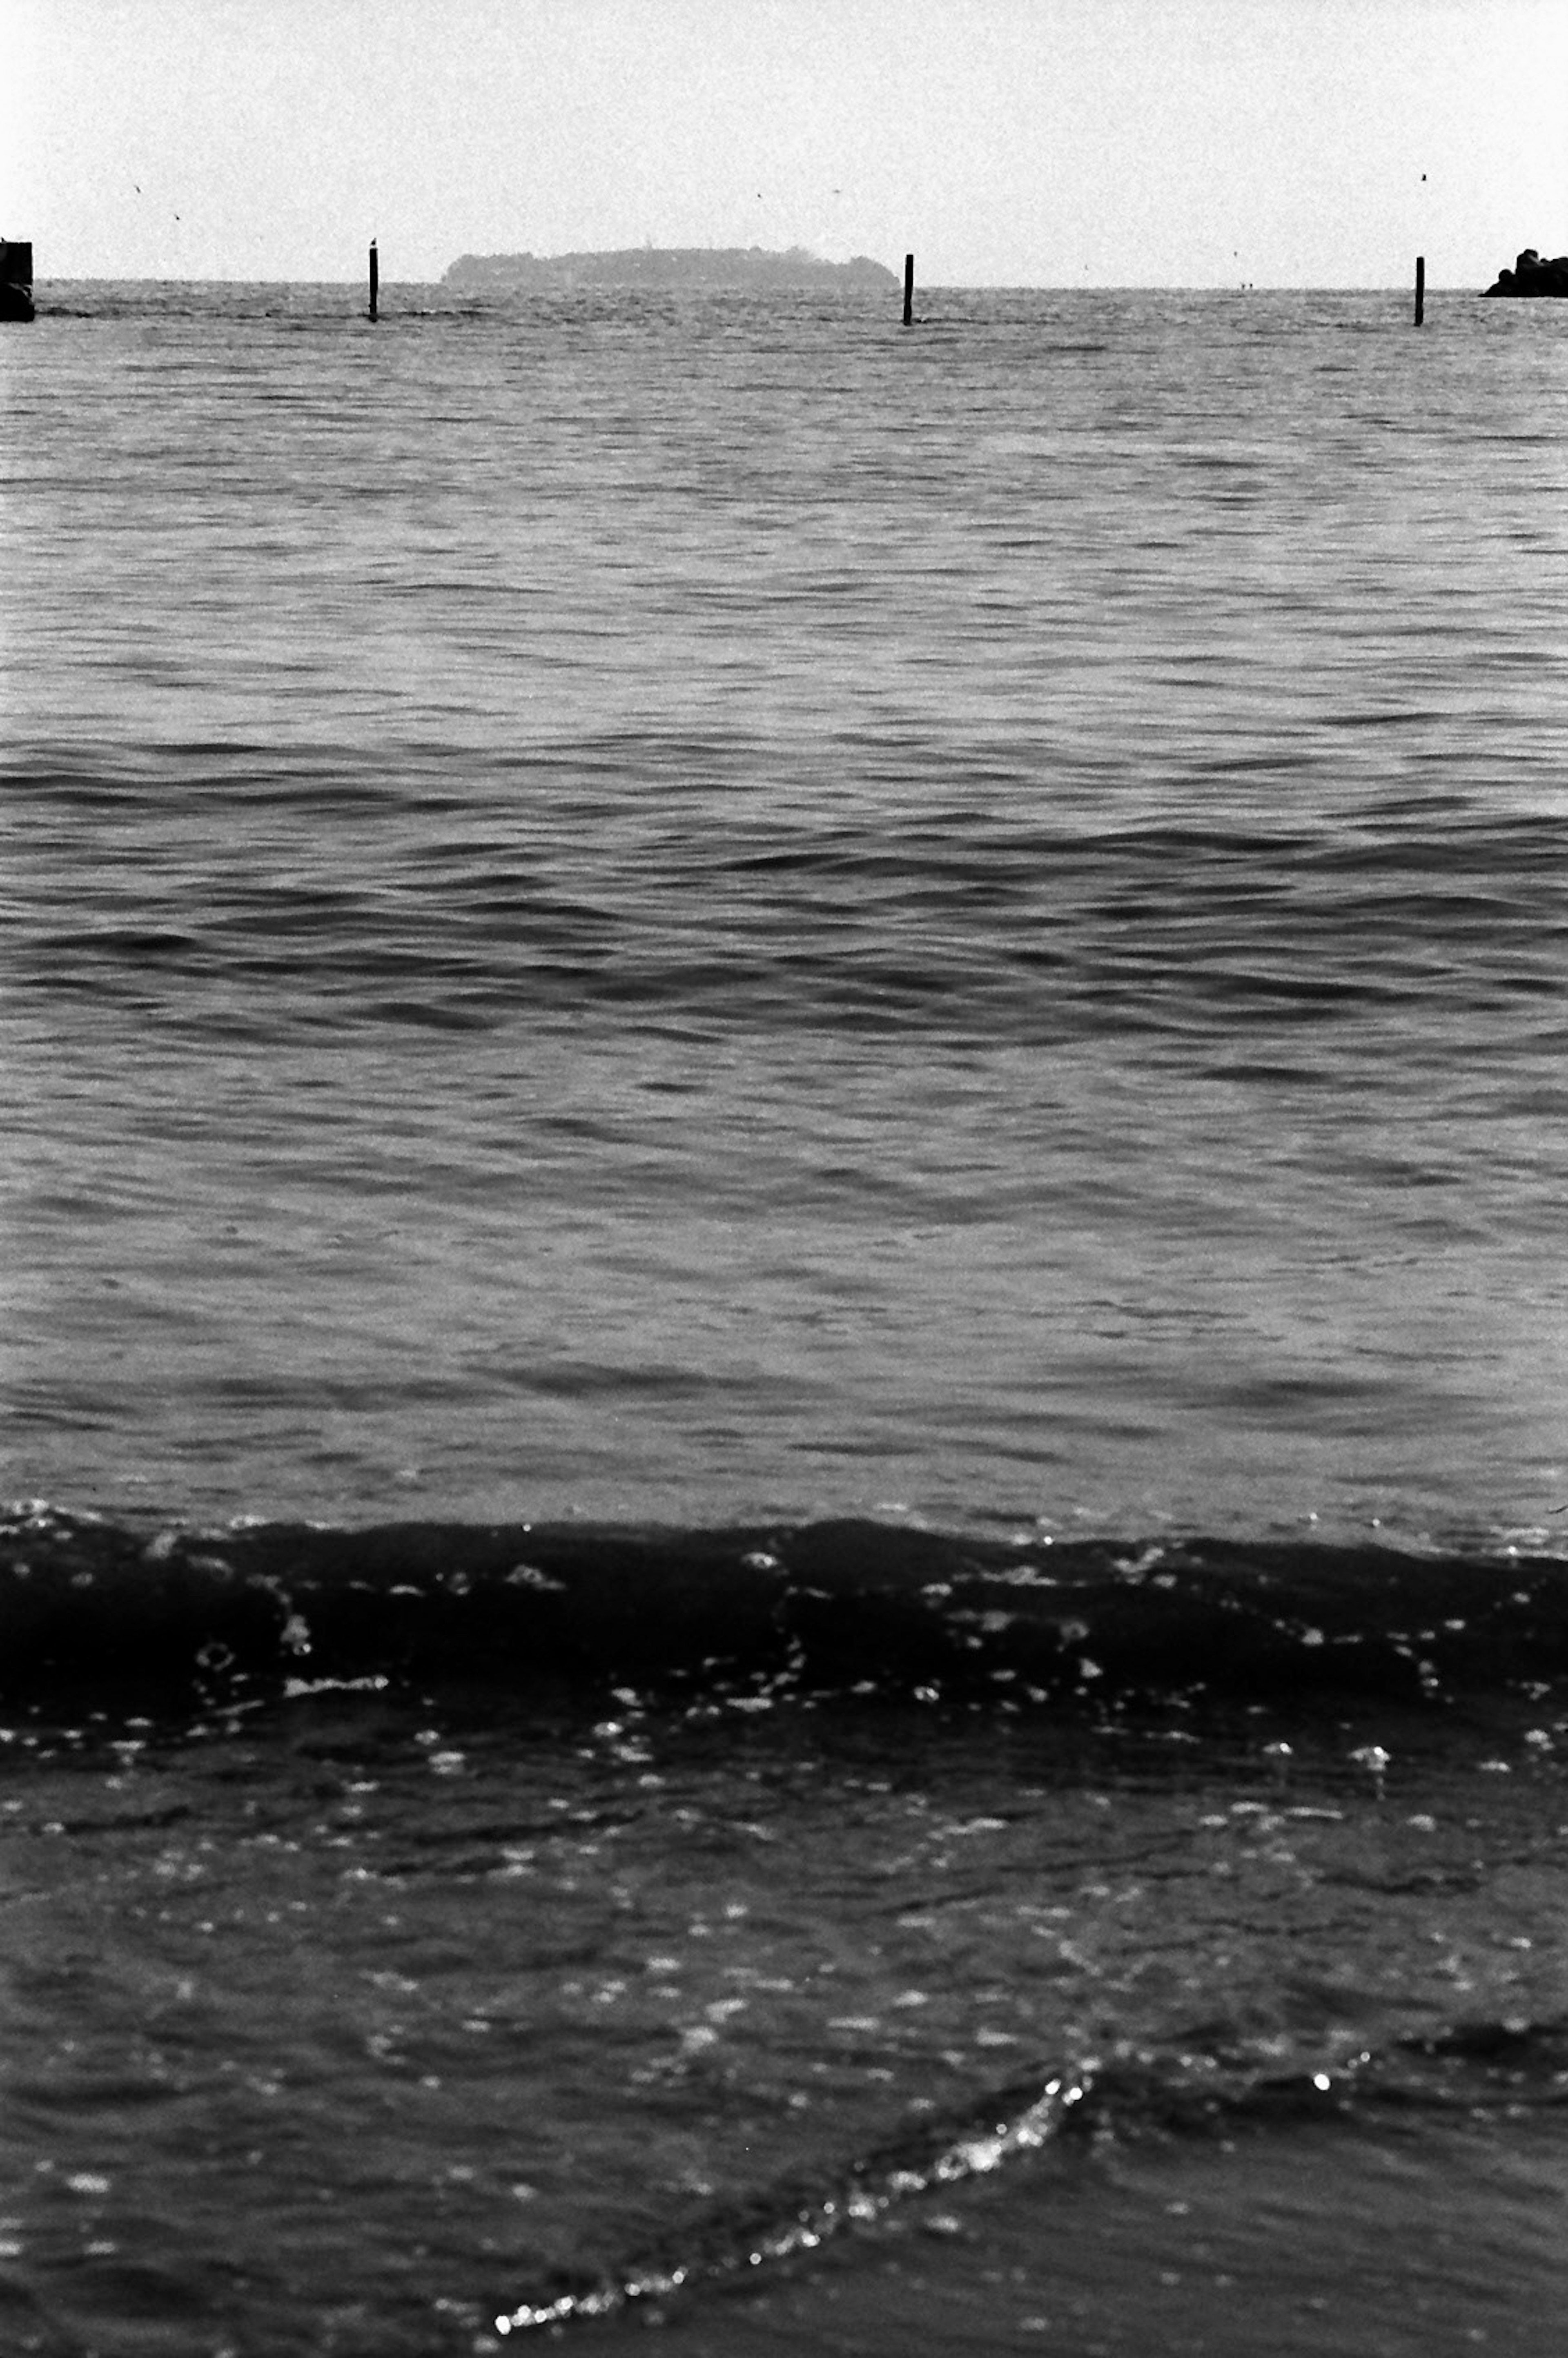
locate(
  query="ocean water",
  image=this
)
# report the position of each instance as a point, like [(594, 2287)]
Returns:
[(784, 1338)]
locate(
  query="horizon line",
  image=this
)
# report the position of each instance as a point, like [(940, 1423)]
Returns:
[(934, 286)]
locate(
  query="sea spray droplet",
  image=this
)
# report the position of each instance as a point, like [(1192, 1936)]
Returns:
[(528, 1575)]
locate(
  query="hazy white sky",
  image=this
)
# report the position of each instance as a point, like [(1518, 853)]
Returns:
[(1005, 142)]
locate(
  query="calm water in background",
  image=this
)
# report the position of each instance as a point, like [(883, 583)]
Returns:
[(699, 915), (692, 909)]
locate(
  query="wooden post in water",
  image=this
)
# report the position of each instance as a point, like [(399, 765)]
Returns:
[(1420, 287), (375, 277), (908, 288)]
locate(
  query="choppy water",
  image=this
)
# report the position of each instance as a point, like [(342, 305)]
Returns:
[(632, 927)]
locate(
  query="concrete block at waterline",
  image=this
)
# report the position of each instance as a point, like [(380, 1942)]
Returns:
[(1532, 276), (15, 278)]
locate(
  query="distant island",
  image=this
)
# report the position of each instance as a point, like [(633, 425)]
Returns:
[(1530, 276), (700, 269)]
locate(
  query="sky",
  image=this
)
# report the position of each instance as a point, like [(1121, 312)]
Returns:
[(1040, 143)]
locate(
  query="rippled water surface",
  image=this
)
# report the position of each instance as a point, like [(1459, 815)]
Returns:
[(695, 908), (630, 927)]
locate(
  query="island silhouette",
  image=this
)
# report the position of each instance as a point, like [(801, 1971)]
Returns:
[(704, 270)]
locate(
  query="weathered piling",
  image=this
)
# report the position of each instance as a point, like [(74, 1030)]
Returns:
[(1420, 288), (375, 279), (908, 288)]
